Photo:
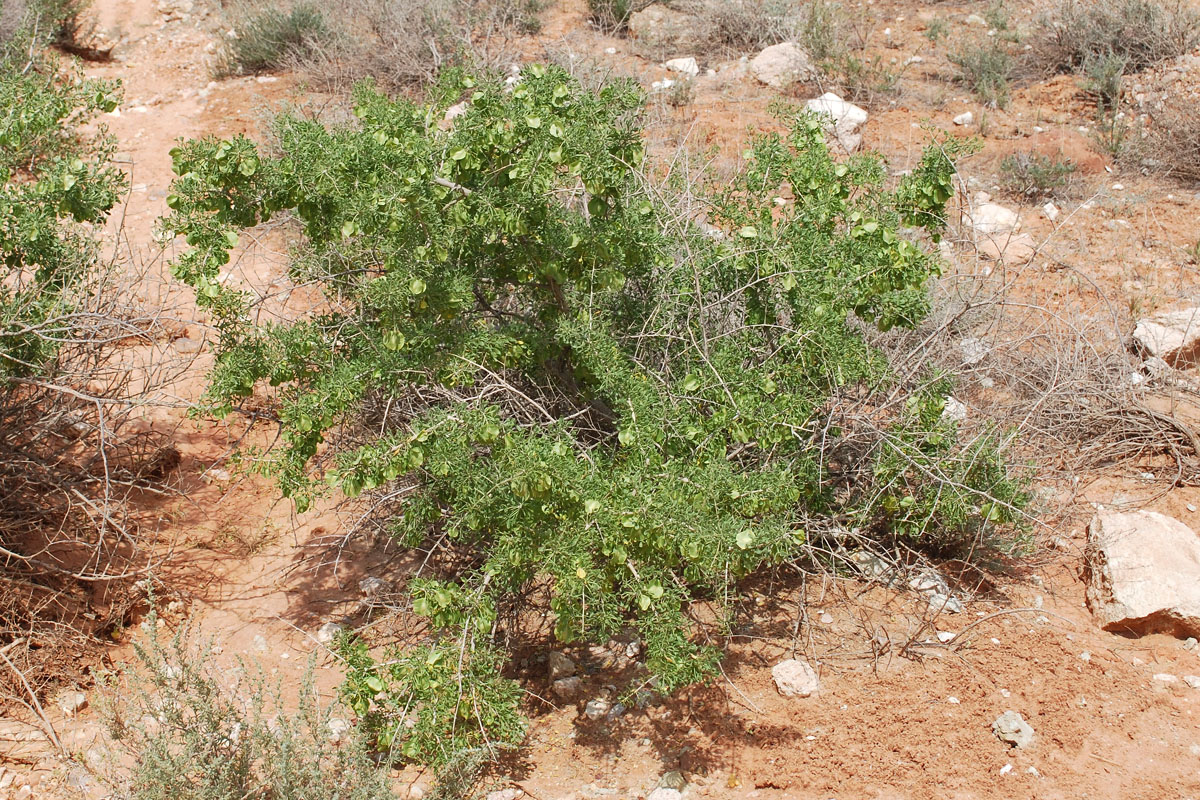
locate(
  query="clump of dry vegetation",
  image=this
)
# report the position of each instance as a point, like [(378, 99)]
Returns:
[(1141, 32), (399, 44)]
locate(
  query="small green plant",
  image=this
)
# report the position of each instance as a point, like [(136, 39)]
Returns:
[(680, 94), (200, 732), (268, 38), (403, 701), (985, 67), (1104, 74), (1117, 137), (611, 15), (837, 47), (1030, 175), (579, 389), (936, 30)]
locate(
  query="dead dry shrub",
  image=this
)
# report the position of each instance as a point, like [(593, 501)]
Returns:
[(197, 730), (1050, 361), (734, 27), (402, 44), (1142, 32), (1174, 139)]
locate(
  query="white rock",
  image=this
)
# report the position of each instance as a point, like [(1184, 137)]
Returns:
[(71, 703), (975, 19), (417, 791), (328, 632), (955, 410), (658, 25), (782, 64), (1007, 768), (510, 793), (939, 602), (597, 708), (973, 350), (993, 218), (965, 118), (1173, 336), (1011, 727), (847, 118), (1051, 211), (566, 688), (946, 636), (795, 678), (1010, 247), (559, 666), (1165, 677), (952, 700), (1142, 571), (338, 728), (663, 793), (1192, 680), (684, 66)]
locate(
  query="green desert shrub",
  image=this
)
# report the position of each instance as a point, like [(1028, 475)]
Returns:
[(529, 360)]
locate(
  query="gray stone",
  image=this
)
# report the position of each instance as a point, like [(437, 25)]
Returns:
[(673, 780), (992, 218), (566, 688), (795, 678), (559, 666), (1012, 728), (783, 64), (1142, 573), (511, 793), (1173, 336), (597, 708), (71, 703), (328, 632)]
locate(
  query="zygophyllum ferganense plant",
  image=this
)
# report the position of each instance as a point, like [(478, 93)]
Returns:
[(550, 368)]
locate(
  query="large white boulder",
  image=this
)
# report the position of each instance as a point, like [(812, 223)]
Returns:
[(847, 118), (782, 64), (1173, 336), (1143, 573)]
